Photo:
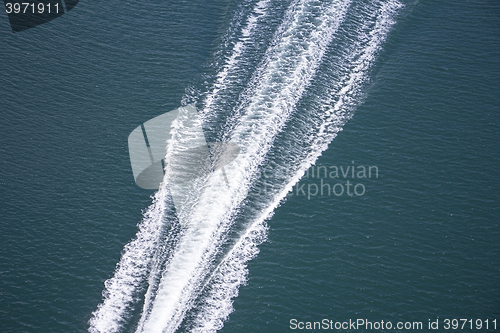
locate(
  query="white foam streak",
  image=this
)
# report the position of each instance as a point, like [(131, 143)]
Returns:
[(121, 290), (239, 47), (338, 107)]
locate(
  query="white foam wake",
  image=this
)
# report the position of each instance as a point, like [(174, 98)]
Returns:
[(121, 291), (228, 70), (232, 271), (288, 68)]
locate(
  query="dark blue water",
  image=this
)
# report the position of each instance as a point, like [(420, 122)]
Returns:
[(420, 243)]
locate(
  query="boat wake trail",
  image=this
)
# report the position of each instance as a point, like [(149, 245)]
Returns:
[(322, 50)]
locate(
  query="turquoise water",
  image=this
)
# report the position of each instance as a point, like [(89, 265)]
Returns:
[(420, 243)]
